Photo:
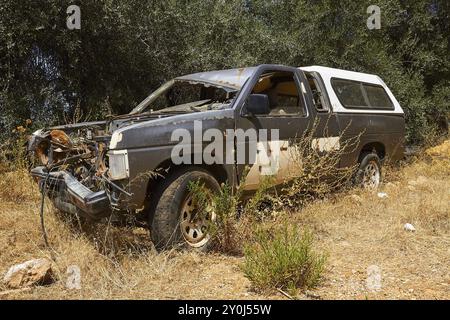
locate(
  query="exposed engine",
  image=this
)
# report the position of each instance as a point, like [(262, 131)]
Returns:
[(72, 160), (83, 155)]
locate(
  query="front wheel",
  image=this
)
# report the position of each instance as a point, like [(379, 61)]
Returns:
[(368, 175), (180, 217)]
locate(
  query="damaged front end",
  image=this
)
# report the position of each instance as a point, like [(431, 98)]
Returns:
[(72, 169)]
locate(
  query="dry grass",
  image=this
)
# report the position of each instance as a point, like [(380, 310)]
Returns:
[(365, 231), (356, 232)]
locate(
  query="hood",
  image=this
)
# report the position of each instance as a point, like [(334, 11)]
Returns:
[(158, 131)]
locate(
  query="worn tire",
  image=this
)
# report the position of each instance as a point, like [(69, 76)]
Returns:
[(368, 175), (167, 210)]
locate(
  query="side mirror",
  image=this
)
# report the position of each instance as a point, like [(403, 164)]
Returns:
[(256, 104)]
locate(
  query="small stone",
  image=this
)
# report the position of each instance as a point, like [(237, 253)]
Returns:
[(382, 195), (32, 272), (409, 227)]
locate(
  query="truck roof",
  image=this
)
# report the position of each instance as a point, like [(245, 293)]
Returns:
[(344, 74), (234, 79), (229, 78)]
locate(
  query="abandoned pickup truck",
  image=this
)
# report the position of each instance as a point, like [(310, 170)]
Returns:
[(143, 162)]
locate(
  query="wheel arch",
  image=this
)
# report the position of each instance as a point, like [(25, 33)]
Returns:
[(167, 168), (376, 146)]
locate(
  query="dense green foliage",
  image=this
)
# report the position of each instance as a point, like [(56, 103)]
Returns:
[(126, 48)]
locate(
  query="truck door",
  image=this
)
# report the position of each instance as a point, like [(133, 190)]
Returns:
[(283, 115), (326, 128)]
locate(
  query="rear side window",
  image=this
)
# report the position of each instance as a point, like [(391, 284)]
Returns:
[(378, 98), (350, 93), (360, 95)]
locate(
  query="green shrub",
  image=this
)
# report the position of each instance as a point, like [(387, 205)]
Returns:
[(284, 259), (227, 232), (227, 229)]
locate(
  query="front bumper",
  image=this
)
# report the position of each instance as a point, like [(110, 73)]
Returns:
[(72, 194)]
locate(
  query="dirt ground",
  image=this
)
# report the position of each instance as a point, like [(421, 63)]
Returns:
[(360, 231)]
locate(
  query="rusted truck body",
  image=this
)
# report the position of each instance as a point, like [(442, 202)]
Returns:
[(126, 163)]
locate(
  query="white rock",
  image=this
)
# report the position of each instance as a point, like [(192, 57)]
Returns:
[(36, 271), (409, 227), (382, 195)]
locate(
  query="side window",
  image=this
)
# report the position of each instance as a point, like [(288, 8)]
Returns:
[(283, 93), (361, 95), (350, 93), (378, 97), (318, 96)]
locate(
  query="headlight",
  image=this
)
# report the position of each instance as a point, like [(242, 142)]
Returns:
[(118, 164)]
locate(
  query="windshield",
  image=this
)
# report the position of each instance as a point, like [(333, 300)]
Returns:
[(185, 96)]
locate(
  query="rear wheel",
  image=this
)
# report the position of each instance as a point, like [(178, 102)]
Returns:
[(368, 175), (180, 218)]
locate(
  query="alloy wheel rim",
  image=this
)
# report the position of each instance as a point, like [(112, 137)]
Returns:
[(195, 225), (371, 176)]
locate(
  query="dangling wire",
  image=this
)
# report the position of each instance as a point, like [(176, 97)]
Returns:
[(44, 231)]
